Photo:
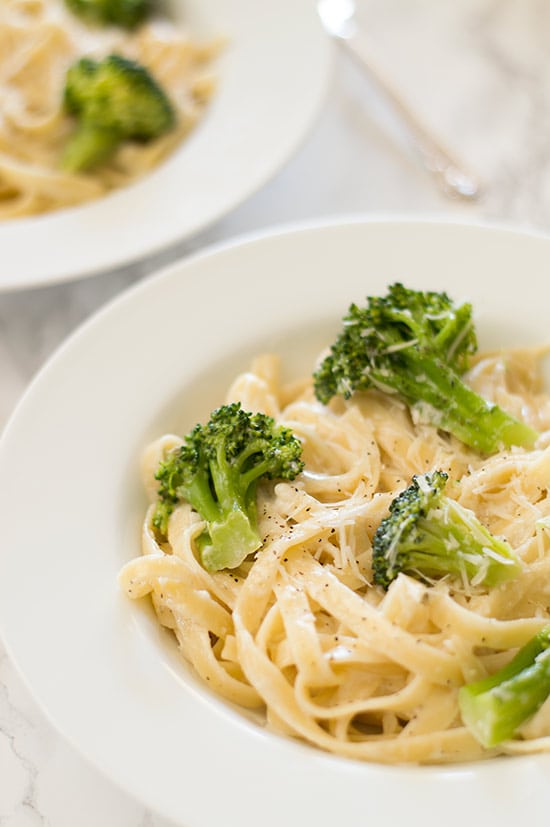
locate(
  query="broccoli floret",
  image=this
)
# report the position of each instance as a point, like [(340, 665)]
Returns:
[(418, 344), (429, 535), (113, 100), (217, 470), (495, 707), (125, 13)]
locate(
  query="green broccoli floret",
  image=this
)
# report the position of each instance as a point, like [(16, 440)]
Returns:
[(113, 100), (217, 471), (417, 344), (429, 535), (495, 707), (125, 13)]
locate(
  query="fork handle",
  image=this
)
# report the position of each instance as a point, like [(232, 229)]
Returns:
[(450, 173)]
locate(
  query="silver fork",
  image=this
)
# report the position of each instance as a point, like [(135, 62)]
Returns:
[(338, 18)]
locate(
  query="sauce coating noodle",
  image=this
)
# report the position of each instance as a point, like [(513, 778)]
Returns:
[(300, 631), (39, 40)]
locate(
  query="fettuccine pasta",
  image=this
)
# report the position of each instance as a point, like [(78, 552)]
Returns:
[(301, 633), (39, 40)]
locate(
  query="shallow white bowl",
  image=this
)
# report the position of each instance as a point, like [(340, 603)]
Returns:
[(159, 358), (272, 76)]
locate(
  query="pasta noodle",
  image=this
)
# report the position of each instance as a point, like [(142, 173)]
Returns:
[(301, 633), (39, 40)]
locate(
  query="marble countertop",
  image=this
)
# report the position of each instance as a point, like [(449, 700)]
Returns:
[(479, 73)]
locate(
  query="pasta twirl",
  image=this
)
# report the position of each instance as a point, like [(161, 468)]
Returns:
[(300, 631)]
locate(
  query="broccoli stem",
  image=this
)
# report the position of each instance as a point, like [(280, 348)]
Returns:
[(494, 708), (454, 334), (88, 147), (230, 513), (455, 407), (231, 539), (231, 534)]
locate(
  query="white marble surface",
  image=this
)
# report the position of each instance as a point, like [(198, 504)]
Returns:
[(479, 72)]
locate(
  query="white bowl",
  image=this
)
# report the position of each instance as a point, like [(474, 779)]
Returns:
[(158, 358), (272, 77)]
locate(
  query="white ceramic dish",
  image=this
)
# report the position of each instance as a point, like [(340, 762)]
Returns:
[(272, 76), (158, 358)]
